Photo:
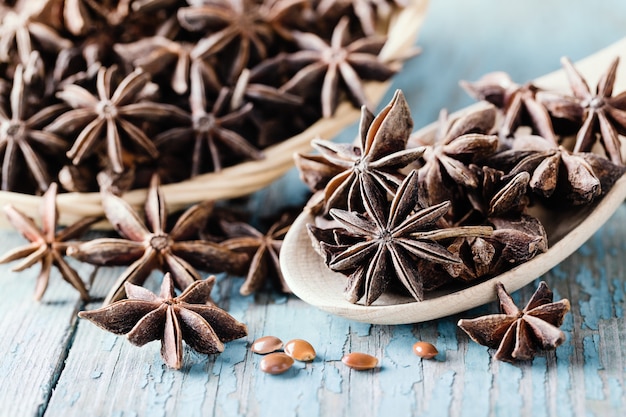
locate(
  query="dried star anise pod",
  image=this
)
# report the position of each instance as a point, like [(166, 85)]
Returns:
[(556, 172), (518, 102), (162, 53), (519, 334), (23, 140), (341, 169), (149, 247), (601, 113), (275, 114), (111, 111), (512, 242), (249, 25), (384, 244), (211, 129), (264, 249), (340, 60), (191, 316), (18, 32), (47, 246), (457, 144), (365, 10)]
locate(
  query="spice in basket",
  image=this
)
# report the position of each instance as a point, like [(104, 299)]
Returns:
[(120, 90)]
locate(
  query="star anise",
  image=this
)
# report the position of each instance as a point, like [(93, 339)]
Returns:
[(458, 144), (79, 15), (384, 244), (20, 134), (512, 242), (19, 29), (249, 25), (518, 103), (264, 248), (519, 334), (47, 246), (340, 60), (556, 172), (273, 111), (156, 54), (110, 111), (192, 317), (149, 247), (601, 113), (341, 169), (210, 129), (366, 10)]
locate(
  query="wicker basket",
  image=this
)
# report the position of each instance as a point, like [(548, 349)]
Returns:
[(247, 177)]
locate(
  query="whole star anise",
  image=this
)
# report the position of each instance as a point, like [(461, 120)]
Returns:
[(264, 248), (519, 334), (162, 53), (22, 138), (518, 102), (191, 317), (340, 60), (381, 152), (111, 111), (47, 246), (212, 129), (148, 247), (601, 113), (367, 11), (385, 243), (556, 172), (446, 161), (18, 30), (246, 27)]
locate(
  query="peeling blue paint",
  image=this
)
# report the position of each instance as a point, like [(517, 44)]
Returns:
[(619, 286), (442, 394), (509, 400), (538, 377), (593, 382), (475, 403), (594, 308)]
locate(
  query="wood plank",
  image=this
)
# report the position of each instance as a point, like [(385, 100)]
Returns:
[(35, 336), (106, 375)]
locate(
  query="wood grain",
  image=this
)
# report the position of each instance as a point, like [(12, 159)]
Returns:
[(105, 375)]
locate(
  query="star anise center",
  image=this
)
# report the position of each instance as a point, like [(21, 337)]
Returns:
[(204, 122), (360, 165), (160, 242), (594, 103), (13, 129), (385, 236), (334, 55), (106, 109)]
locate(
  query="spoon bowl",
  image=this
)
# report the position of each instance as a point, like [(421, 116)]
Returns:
[(311, 280)]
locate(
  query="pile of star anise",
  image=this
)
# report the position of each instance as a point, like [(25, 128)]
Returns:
[(418, 212), (102, 94)]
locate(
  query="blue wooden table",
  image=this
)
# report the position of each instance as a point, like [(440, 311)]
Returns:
[(53, 364)]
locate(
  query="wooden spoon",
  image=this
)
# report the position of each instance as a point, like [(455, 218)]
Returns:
[(310, 279)]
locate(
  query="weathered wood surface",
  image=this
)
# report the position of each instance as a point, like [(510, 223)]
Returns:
[(52, 364)]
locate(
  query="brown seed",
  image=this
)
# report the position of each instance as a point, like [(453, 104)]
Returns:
[(276, 363), (425, 350), (266, 344), (300, 350), (359, 361)]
